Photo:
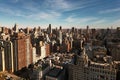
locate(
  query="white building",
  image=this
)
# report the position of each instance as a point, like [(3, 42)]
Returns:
[(43, 51)]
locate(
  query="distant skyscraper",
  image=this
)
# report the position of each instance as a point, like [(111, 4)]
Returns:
[(73, 29), (60, 35), (93, 33), (15, 28), (87, 33), (4, 30), (49, 29), (47, 48), (27, 30)]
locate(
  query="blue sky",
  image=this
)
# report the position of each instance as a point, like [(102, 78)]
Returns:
[(67, 13)]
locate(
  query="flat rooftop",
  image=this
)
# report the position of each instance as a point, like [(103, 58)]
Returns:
[(55, 72)]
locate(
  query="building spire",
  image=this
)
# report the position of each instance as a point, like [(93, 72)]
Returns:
[(15, 28)]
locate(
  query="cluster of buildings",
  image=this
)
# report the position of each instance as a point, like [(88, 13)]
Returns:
[(60, 54)]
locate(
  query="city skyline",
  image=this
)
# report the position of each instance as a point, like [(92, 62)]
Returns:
[(59, 54), (67, 13)]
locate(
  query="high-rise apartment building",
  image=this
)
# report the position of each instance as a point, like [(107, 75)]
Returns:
[(47, 48), (60, 35), (22, 50), (2, 57), (6, 56), (8, 51)]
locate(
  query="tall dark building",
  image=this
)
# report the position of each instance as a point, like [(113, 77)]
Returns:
[(87, 33), (60, 35), (49, 29), (15, 28)]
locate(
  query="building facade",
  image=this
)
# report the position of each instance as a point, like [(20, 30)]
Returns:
[(6, 56), (22, 50), (86, 69)]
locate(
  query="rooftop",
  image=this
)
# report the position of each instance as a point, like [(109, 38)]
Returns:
[(55, 72)]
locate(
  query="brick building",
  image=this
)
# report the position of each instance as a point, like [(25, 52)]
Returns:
[(22, 50)]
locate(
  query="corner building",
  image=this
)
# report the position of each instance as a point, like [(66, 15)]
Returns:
[(86, 69)]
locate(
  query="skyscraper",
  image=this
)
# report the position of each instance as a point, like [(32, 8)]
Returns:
[(15, 28), (49, 29), (60, 35)]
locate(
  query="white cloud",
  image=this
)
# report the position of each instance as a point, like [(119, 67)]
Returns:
[(70, 19), (79, 20), (110, 10), (91, 21), (55, 13), (31, 5), (34, 14), (84, 20), (11, 12), (47, 9), (65, 5), (56, 4), (44, 15), (14, 1), (6, 10), (116, 23), (99, 21), (105, 23)]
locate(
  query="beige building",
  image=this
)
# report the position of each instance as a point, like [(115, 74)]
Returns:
[(76, 72), (86, 69), (100, 71), (2, 59)]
